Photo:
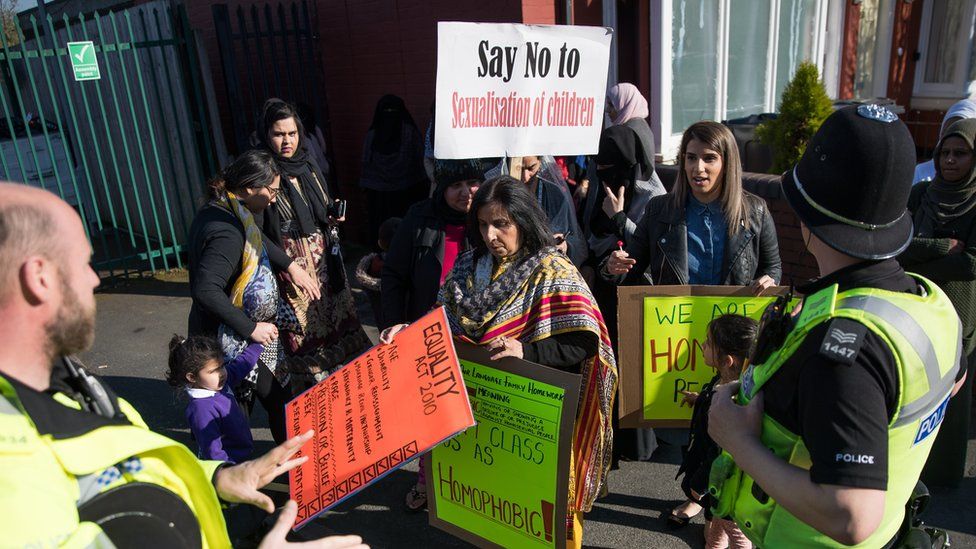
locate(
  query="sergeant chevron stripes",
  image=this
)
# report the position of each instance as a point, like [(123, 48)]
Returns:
[(842, 336)]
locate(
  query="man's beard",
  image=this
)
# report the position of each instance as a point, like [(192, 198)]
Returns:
[(73, 329)]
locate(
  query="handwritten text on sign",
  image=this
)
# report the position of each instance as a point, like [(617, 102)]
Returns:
[(374, 414), (675, 329), (504, 482), (506, 89)]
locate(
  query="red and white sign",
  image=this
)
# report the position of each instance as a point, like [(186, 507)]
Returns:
[(374, 414), (519, 90)]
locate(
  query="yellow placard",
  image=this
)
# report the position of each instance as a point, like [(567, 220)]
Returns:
[(674, 332)]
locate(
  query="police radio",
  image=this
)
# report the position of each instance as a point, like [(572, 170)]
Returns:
[(774, 326), (93, 397)]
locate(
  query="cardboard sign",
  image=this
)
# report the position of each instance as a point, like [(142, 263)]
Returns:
[(374, 414), (515, 90), (662, 330), (505, 482)]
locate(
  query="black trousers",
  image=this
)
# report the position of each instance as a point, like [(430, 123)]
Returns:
[(273, 398)]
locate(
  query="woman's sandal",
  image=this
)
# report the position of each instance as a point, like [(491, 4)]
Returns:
[(416, 499), (676, 521)]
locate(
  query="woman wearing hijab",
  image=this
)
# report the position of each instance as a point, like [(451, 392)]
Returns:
[(960, 111), (427, 242), (610, 215), (325, 330), (944, 251), (423, 252), (627, 107), (393, 163), (613, 208)]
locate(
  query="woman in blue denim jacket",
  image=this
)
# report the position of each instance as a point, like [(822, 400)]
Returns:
[(707, 230)]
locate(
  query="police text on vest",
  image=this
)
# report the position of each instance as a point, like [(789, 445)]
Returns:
[(855, 458)]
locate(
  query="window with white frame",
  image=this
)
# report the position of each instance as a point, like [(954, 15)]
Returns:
[(732, 58), (945, 47)]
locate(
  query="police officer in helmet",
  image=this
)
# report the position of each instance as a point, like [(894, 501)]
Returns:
[(826, 434), (78, 466)]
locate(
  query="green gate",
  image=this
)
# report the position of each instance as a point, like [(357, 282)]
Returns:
[(116, 124)]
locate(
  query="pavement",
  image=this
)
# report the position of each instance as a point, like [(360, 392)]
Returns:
[(136, 319)]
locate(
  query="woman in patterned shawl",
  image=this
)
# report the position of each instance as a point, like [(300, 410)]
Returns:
[(235, 296), (517, 295), (325, 333)]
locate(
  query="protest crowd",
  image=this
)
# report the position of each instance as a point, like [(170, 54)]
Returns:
[(525, 254)]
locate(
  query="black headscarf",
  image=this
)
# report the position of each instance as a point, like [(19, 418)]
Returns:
[(310, 203), (447, 173), (387, 126), (618, 160)]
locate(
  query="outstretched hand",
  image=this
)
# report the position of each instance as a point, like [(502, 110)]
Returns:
[(276, 537), (241, 483)]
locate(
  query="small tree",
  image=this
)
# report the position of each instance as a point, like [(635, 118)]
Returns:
[(803, 107), (8, 18)]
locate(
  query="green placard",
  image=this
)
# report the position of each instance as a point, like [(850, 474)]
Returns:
[(674, 330), (84, 63), (504, 482)]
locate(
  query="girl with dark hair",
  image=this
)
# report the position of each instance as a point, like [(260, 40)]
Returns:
[(326, 330), (727, 347), (235, 295), (707, 230), (218, 423), (514, 293), (393, 172)]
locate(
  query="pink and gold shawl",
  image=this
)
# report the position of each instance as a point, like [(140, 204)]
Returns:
[(530, 299)]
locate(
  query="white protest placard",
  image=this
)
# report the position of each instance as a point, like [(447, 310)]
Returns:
[(519, 90)]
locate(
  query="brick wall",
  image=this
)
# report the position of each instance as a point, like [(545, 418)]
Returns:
[(369, 48), (798, 265)]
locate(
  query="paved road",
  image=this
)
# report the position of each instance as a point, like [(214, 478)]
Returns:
[(136, 321)]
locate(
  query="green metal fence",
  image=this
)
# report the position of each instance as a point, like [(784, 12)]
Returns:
[(129, 150)]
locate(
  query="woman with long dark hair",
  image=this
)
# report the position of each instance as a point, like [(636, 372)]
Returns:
[(232, 282), (303, 222), (518, 296), (708, 230)]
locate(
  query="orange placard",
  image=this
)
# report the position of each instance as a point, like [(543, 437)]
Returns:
[(374, 414)]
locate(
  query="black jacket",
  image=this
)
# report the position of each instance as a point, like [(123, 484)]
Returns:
[(216, 248), (412, 266), (660, 246)]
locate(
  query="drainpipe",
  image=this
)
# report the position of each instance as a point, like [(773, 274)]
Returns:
[(610, 20)]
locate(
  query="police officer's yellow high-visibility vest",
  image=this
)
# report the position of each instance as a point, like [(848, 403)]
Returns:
[(44, 479), (924, 334)]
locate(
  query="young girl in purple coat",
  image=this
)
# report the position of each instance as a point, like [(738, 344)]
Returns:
[(216, 420)]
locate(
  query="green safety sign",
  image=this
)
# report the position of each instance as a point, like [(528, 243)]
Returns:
[(83, 60)]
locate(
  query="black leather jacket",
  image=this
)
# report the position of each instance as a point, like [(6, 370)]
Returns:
[(660, 246)]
